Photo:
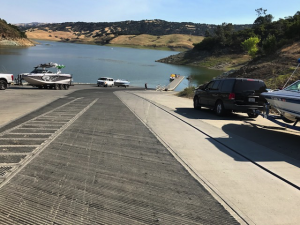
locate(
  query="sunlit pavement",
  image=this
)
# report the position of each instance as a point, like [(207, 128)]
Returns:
[(254, 171)]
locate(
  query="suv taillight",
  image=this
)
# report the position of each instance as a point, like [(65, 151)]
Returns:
[(231, 96), (12, 77)]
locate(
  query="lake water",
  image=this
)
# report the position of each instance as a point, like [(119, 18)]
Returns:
[(89, 62)]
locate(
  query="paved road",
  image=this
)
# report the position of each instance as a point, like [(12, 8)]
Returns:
[(87, 159)]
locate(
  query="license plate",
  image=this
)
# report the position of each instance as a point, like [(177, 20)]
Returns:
[(251, 99)]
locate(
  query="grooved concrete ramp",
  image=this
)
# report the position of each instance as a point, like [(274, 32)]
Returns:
[(103, 167)]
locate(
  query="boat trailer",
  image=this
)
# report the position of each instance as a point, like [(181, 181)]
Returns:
[(276, 119)]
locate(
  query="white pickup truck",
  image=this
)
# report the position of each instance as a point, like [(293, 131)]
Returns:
[(5, 80)]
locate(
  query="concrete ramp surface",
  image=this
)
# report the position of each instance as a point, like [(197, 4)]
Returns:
[(88, 159)]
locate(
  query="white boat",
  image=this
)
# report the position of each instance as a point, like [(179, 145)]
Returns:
[(286, 101), (122, 83), (43, 78)]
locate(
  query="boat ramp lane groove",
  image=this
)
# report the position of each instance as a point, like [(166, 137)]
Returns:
[(106, 168), (20, 144)]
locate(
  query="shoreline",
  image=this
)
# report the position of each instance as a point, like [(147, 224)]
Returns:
[(162, 48)]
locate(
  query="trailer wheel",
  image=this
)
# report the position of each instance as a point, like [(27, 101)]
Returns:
[(65, 86), (56, 87), (252, 115), (3, 85)]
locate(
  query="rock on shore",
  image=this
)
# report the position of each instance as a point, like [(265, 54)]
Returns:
[(16, 42)]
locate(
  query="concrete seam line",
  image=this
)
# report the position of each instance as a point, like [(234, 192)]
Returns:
[(7, 131), (47, 143), (190, 170), (231, 149)]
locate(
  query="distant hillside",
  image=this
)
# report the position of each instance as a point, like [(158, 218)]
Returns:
[(274, 60), (110, 32), (11, 35)]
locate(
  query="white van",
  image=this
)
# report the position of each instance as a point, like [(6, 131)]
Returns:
[(105, 82)]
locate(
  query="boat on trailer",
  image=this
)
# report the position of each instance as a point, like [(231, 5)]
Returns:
[(286, 101), (122, 83), (43, 77)]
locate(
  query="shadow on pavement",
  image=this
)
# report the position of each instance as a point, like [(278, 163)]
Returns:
[(284, 143), (209, 114), (274, 139)]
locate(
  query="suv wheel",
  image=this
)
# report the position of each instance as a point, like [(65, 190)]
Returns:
[(252, 115), (196, 103), (219, 108)]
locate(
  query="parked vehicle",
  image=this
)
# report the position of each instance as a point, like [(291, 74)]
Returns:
[(231, 94), (105, 82), (5, 80)]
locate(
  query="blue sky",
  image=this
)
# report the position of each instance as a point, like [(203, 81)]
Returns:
[(197, 11)]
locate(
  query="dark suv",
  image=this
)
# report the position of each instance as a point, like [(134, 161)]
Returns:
[(231, 94)]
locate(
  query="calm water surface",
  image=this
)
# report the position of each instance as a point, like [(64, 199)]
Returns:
[(89, 62)]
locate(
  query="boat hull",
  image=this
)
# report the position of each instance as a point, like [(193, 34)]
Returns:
[(122, 83), (47, 79), (285, 102)]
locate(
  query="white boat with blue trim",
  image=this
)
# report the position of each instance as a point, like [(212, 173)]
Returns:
[(286, 101)]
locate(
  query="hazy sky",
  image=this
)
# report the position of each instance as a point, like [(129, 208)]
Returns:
[(197, 11)]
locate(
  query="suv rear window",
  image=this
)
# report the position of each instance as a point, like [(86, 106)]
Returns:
[(249, 85), (227, 85)]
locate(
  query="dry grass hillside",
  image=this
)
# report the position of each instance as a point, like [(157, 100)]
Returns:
[(172, 41), (274, 69)]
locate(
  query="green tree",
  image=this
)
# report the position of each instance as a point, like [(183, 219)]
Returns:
[(250, 45), (269, 45), (262, 17)]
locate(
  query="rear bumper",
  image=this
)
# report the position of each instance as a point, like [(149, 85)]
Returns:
[(244, 108)]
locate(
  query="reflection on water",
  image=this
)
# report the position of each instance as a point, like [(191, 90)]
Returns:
[(89, 62)]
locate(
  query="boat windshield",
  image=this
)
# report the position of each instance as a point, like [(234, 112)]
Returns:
[(40, 71), (293, 87)]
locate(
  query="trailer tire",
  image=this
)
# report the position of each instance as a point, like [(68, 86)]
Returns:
[(65, 86), (252, 115), (56, 87)]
